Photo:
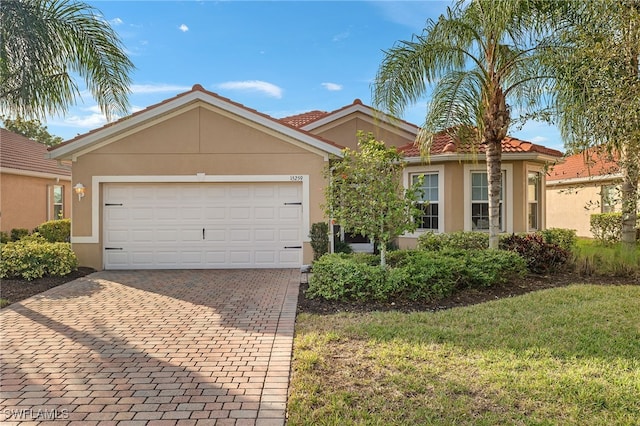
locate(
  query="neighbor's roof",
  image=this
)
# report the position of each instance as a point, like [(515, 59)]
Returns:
[(20, 153), (593, 162), (444, 144), (300, 120), (196, 93)]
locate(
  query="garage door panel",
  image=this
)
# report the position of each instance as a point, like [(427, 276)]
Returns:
[(161, 225)]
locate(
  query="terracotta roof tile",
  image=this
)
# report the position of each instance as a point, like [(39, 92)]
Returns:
[(593, 162), (19, 152), (444, 143), (303, 119)]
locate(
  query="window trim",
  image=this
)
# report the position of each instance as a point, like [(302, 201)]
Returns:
[(407, 178), (507, 196), (51, 202), (537, 201), (611, 207), (542, 197)]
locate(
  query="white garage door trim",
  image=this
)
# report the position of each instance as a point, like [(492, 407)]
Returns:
[(202, 225), (94, 238)]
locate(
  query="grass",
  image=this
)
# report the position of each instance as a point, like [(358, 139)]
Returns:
[(560, 356), (591, 256)]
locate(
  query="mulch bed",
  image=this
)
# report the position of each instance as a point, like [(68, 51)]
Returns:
[(17, 290), (462, 298)]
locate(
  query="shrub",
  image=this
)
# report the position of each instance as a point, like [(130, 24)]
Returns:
[(564, 238), (56, 231), (338, 277), (19, 233), (4, 237), (33, 257), (340, 246), (540, 257), (411, 274), (606, 227), (484, 268), (463, 240)]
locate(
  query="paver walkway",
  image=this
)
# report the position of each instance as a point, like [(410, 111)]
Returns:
[(157, 347)]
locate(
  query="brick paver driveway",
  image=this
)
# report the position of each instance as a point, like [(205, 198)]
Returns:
[(157, 347)]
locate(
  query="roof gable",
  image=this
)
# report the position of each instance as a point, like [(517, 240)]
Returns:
[(98, 137), (20, 153), (315, 119)]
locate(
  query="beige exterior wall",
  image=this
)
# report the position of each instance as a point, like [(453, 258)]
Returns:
[(26, 201), (200, 140), (455, 173), (571, 206), (344, 131)]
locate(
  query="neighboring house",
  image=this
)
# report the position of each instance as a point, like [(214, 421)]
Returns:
[(33, 188), (200, 181), (584, 184)]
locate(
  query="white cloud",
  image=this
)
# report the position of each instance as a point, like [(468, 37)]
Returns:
[(539, 139), (332, 87), (183, 28), (341, 36), (137, 89), (116, 21), (253, 86)]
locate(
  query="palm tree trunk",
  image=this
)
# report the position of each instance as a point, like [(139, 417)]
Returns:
[(494, 177), (630, 178)]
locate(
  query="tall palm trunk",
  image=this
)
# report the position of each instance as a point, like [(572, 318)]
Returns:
[(630, 177), (496, 124)]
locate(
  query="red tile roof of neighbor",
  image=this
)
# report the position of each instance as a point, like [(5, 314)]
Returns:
[(195, 88), (593, 162), (19, 152), (443, 143), (303, 119)]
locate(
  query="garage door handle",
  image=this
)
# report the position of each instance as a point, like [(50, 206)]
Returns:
[(203, 233), (113, 204), (293, 204), (113, 248), (288, 247)]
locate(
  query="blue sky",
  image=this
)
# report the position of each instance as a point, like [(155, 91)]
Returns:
[(278, 57)]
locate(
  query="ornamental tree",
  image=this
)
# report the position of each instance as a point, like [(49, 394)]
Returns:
[(366, 196)]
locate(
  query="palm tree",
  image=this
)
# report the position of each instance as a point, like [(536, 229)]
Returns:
[(44, 43), (482, 59)]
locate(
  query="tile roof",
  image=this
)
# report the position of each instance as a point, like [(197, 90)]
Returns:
[(593, 162), (300, 120), (19, 152), (444, 143)]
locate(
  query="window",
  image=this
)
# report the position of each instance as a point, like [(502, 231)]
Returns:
[(480, 202), (533, 200), (429, 203), (58, 202), (608, 195)]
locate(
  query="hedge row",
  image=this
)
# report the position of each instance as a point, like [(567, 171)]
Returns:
[(34, 257), (412, 274)]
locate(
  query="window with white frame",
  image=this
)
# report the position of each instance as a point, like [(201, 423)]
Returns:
[(608, 195), (58, 202), (533, 201), (480, 202), (429, 201)]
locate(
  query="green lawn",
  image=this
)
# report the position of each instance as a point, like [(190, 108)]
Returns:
[(561, 356)]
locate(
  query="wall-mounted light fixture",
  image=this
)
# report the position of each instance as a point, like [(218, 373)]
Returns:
[(79, 190)]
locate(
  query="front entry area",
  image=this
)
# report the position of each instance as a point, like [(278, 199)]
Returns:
[(202, 225)]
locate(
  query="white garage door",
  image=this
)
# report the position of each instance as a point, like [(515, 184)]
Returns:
[(212, 225)]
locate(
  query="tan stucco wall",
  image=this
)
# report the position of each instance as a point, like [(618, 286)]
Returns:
[(344, 131), (454, 211), (571, 206), (24, 201), (200, 140)]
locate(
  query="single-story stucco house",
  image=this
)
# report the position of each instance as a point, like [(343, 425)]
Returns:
[(33, 188), (584, 184), (200, 181)]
